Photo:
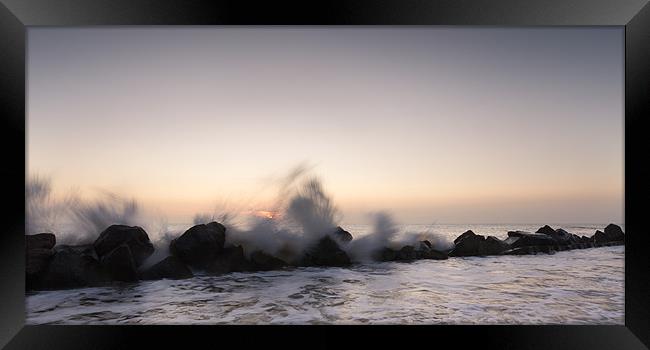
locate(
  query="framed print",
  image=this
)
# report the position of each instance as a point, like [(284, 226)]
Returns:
[(421, 172)]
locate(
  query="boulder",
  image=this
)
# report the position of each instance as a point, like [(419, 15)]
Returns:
[(72, 267), (120, 264), (39, 252), (463, 235), (171, 268), (342, 235), (546, 229), (492, 246), (426, 251), (230, 259), (599, 237), (40, 241), (406, 253), (326, 253), (614, 233), (134, 237), (265, 262), (518, 239), (200, 245), (468, 244), (386, 254)]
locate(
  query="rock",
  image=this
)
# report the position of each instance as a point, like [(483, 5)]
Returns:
[(120, 265), (614, 233), (231, 259), (134, 237), (599, 237), (463, 235), (40, 241), (200, 245), (342, 235), (468, 244), (406, 253), (265, 262), (585, 239), (38, 254), (546, 229), (526, 250), (434, 255), (492, 246), (519, 239), (326, 253), (386, 254), (171, 268), (71, 267), (425, 245)]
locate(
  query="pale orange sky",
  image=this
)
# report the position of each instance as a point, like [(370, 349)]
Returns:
[(434, 124)]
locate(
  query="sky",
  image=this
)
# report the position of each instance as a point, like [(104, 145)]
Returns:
[(433, 124)]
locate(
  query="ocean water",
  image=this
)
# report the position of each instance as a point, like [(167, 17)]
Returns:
[(570, 287)]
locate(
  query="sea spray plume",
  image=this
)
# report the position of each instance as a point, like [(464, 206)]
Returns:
[(362, 249), (312, 210), (91, 218), (43, 211)]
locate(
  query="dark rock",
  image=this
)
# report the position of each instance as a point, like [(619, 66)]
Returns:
[(546, 229), (40, 241), (585, 239), (463, 235), (134, 237), (526, 250), (424, 245), (599, 237), (171, 267), (71, 267), (519, 239), (231, 259), (434, 255), (39, 252), (342, 235), (326, 253), (492, 246), (120, 265), (200, 245), (386, 254), (614, 233), (406, 253), (265, 262), (468, 244)]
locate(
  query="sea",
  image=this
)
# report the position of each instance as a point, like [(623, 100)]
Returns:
[(582, 286)]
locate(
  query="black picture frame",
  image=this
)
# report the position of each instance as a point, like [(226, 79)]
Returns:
[(16, 15)]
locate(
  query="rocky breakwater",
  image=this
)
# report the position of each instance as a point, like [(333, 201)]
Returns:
[(120, 252), (544, 240)]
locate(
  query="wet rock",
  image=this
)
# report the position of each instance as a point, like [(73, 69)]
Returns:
[(526, 250), (465, 234), (230, 259), (517, 239), (171, 268), (134, 237), (546, 229), (38, 254), (265, 262), (406, 253), (72, 267), (342, 235), (326, 253), (599, 237), (120, 264), (200, 245), (614, 233), (426, 251), (468, 244), (40, 241), (386, 254), (492, 246)]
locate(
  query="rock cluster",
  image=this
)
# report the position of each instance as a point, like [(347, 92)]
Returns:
[(120, 252)]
